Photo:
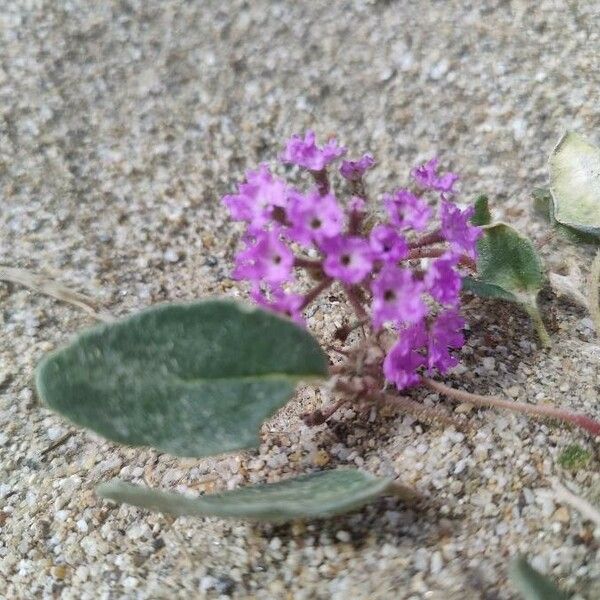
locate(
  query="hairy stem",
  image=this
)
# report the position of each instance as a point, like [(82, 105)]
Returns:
[(354, 300), (534, 312), (583, 421), (307, 263), (435, 237), (416, 253), (315, 292), (319, 416), (322, 181)]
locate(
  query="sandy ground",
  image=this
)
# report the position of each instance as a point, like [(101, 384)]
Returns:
[(121, 125)]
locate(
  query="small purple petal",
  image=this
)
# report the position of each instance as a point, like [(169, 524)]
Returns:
[(402, 361), (387, 244), (257, 197), (407, 210), (444, 333), (457, 229), (305, 153), (442, 280), (353, 170), (426, 176), (266, 258), (349, 259), (396, 297), (314, 217), (279, 301)]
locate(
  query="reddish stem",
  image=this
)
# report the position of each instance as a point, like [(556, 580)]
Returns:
[(322, 181), (318, 417), (356, 221), (354, 299), (306, 263), (312, 295), (435, 237), (417, 253), (583, 421)]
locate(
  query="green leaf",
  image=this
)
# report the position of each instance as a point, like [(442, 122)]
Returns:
[(575, 185), (190, 379), (317, 495), (482, 214), (509, 268), (486, 290), (532, 584), (544, 206)]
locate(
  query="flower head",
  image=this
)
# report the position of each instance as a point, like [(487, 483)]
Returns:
[(257, 197), (387, 244), (314, 217), (305, 153), (456, 228), (266, 258), (353, 170), (348, 258), (426, 176), (442, 280), (402, 361), (444, 333), (406, 210), (396, 297)]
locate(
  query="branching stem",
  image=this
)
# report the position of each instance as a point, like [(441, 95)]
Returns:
[(583, 421)]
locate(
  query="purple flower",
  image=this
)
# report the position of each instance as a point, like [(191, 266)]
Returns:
[(257, 197), (314, 217), (427, 177), (348, 259), (266, 258), (407, 210), (444, 333), (456, 228), (279, 301), (305, 153), (402, 361), (442, 280), (353, 170), (396, 297), (389, 246)]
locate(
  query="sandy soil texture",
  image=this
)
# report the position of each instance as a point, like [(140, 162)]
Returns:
[(123, 122)]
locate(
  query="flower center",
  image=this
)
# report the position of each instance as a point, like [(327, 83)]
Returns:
[(345, 259), (389, 295), (315, 223)]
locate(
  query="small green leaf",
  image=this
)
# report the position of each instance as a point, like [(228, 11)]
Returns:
[(575, 184), (574, 457), (543, 205), (509, 268), (532, 584), (482, 214), (316, 495), (190, 379)]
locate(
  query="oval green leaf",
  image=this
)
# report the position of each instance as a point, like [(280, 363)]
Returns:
[(532, 584), (509, 268), (575, 184), (189, 379), (316, 495)]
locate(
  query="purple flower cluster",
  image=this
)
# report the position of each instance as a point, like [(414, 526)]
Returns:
[(402, 274)]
